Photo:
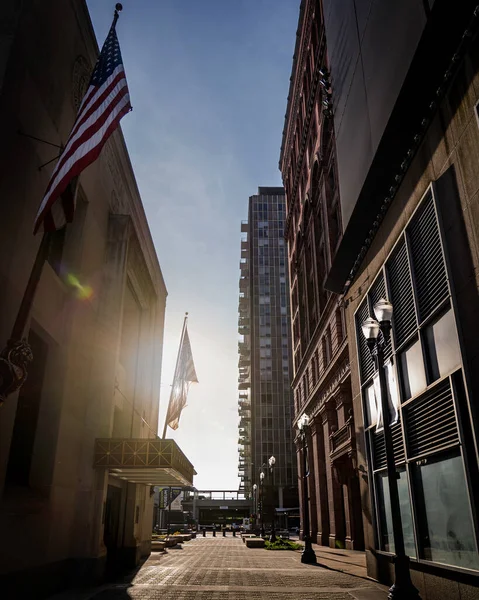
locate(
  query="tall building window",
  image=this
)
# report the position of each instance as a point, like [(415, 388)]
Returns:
[(66, 243), (426, 388), (55, 250)]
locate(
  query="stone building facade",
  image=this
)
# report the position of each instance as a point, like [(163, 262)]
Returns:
[(78, 444), (321, 383), (406, 119)]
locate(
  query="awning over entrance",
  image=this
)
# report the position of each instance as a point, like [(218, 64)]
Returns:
[(145, 461)]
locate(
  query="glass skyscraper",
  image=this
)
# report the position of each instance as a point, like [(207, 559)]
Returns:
[(265, 365)]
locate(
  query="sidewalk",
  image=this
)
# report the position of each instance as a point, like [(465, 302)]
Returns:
[(346, 561), (224, 569)]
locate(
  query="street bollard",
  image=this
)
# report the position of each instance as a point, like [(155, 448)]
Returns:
[(204, 532), (214, 532), (224, 532), (234, 532)]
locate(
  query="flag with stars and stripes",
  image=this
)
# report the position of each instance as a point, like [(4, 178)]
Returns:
[(106, 101), (185, 374)]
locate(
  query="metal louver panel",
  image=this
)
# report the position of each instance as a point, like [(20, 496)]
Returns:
[(366, 362), (404, 316), (399, 450), (379, 447), (376, 293), (431, 421), (428, 262), (379, 450)]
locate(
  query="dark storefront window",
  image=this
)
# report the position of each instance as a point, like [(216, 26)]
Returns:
[(444, 516), (425, 385), (385, 517)]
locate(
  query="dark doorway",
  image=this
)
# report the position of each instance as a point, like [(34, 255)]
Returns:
[(112, 524), (26, 417)]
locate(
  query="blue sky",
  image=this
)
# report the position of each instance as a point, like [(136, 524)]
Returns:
[(208, 83)]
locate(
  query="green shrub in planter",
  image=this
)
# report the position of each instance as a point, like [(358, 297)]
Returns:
[(281, 544)]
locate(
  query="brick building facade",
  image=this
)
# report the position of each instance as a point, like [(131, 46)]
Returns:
[(321, 384)]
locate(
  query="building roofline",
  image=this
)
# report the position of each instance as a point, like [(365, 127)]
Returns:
[(292, 79)]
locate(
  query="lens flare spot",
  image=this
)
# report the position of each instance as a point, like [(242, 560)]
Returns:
[(83, 292)]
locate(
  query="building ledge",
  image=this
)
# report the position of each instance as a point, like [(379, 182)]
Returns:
[(144, 461)]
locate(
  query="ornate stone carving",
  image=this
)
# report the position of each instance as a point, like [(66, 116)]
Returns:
[(330, 388), (109, 159), (80, 79), (326, 411), (14, 360), (116, 205)]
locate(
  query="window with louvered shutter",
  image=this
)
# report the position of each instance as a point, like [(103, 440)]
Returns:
[(400, 285), (379, 447), (366, 361), (426, 439), (431, 421), (428, 261)]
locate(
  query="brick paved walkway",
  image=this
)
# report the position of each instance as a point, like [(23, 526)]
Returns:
[(224, 569)]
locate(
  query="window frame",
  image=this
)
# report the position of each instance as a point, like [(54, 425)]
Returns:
[(419, 332)]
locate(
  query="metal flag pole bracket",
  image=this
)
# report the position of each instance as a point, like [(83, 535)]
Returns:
[(50, 161), (37, 139)]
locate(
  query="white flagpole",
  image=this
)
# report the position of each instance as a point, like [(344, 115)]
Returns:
[(176, 372)]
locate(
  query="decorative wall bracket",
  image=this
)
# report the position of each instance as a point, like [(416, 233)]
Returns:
[(14, 359)]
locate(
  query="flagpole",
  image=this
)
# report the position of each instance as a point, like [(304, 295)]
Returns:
[(118, 9), (29, 294), (176, 372), (17, 354)]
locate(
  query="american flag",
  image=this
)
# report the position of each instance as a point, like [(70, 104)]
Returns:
[(106, 101), (185, 374)]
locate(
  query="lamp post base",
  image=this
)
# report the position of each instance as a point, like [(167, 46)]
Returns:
[(402, 588), (272, 537), (308, 556)]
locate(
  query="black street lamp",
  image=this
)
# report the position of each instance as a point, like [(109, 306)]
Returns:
[(272, 462), (402, 588), (255, 503), (308, 555), (261, 501)]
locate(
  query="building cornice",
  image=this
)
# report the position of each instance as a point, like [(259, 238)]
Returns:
[(293, 91)]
